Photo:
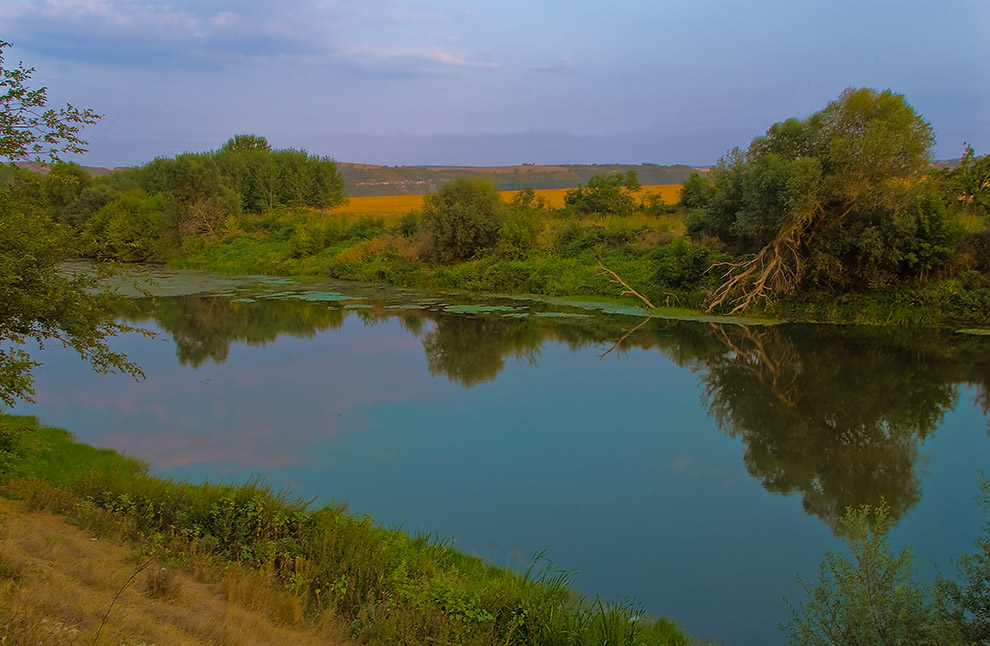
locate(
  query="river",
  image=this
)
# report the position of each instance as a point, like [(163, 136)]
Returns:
[(696, 467)]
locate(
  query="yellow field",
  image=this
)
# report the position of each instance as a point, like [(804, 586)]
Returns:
[(391, 207)]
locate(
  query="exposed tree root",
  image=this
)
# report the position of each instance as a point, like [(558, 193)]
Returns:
[(776, 269)]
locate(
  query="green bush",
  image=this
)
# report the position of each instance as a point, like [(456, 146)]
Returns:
[(873, 599), (684, 264), (134, 228), (463, 217)]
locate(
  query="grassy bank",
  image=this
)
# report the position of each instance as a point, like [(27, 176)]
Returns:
[(564, 262), (381, 585)]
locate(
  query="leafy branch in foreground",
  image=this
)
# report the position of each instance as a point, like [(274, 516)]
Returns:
[(27, 128), (874, 599), (37, 301), (968, 599)]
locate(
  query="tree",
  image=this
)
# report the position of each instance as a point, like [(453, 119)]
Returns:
[(37, 301), (874, 599), (463, 217), (133, 228), (813, 197), (967, 186), (605, 194), (968, 599), (696, 191), (27, 128), (240, 143)]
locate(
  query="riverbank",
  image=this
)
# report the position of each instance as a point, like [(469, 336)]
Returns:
[(326, 568), (58, 582), (961, 302)]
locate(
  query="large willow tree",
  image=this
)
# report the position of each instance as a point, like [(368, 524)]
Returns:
[(828, 196)]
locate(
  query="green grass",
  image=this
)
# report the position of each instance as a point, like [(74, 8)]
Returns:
[(650, 254), (390, 587)]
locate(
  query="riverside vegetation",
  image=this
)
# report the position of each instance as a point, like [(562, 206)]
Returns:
[(837, 217), (382, 585)]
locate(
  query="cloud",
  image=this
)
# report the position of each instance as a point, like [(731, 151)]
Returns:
[(156, 36), (562, 64), (190, 35), (412, 60)]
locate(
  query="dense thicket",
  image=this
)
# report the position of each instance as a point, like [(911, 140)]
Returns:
[(144, 213)]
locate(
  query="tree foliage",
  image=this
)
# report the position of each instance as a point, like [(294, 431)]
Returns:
[(969, 597), (874, 599), (813, 198), (968, 184), (38, 302), (696, 191), (133, 228), (267, 178), (463, 217), (28, 128), (606, 194)]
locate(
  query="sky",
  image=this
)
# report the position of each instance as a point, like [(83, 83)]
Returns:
[(458, 82)]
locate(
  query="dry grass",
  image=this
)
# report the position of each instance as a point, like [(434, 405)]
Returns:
[(57, 582), (392, 207)]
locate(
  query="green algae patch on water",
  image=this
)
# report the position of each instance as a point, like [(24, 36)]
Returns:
[(317, 297), (974, 331), (684, 314), (481, 309), (561, 315)]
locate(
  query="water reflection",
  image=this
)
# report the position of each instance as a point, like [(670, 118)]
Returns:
[(835, 415), (837, 422)]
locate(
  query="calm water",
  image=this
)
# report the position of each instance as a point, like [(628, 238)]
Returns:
[(695, 467)]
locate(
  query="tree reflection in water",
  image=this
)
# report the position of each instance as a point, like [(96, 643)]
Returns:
[(836, 415)]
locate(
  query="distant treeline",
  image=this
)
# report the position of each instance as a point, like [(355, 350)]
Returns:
[(362, 180)]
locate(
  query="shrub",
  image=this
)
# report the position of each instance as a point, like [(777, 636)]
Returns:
[(683, 264), (874, 599), (133, 228), (463, 217)]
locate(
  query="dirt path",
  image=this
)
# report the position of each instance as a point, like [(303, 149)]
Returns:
[(57, 582)]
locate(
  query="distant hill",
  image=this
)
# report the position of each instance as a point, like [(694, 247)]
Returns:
[(367, 180), (364, 180), (42, 169)]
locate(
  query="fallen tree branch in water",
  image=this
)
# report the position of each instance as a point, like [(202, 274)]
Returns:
[(625, 336), (627, 289)]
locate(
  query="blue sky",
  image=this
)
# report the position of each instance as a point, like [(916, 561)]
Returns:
[(463, 82)]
